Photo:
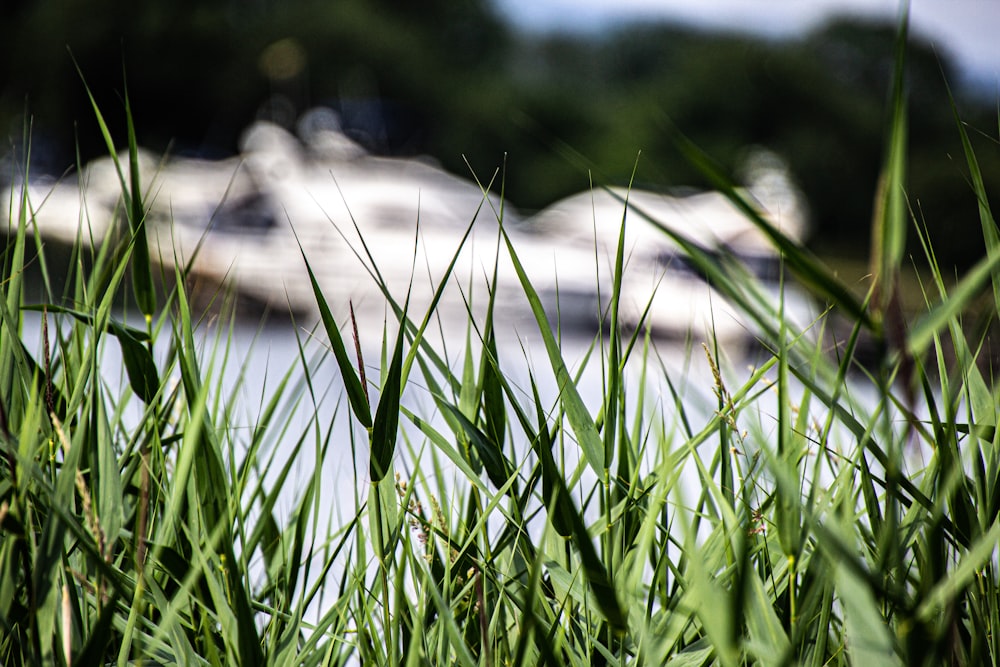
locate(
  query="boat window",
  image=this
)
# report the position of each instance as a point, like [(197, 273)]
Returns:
[(250, 214), (764, 267), (680, 265)]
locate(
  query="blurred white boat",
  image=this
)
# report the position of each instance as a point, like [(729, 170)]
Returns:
[(246, 221), (662, 289), (355, 215), (241, 221)]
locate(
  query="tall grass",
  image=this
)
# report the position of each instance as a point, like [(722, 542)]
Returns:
[(821, 512)]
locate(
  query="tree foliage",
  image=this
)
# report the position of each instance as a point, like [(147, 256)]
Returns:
[(450, 79)]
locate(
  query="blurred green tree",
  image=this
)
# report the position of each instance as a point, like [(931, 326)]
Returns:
[(450, 79)]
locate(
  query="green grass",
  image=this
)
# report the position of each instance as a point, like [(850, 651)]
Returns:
[(819, 512)]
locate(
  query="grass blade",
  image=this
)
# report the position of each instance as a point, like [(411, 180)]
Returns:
[(386, 425), (890, 220), (142, 272), (576, 412), (356, 393), (809, 269)]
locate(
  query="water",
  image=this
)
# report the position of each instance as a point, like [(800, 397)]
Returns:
[(246, 364)]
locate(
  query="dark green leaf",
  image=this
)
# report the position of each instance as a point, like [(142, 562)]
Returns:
[(497, 466), (139, 366), (356, 394), (142, 272), (386, 426)]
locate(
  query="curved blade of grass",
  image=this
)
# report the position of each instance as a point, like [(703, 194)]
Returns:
[(868, 639), (568, 522), (139, 365), (809, 269), (132, 195), (498, 468), (614, 397), (711, 601), (889, 224), (597, 576), (989, 225), (922, 333), (142, 272), (356, 394), (13, 269), (569, 396), (559, 510), (386, 425), (724, 273), (445, 446), (490, 377), (113, 327), (969, 568), (48, 555), (768, 638), (208, 468), (99, 635)]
